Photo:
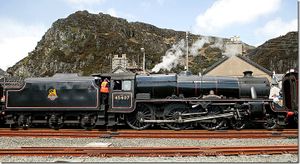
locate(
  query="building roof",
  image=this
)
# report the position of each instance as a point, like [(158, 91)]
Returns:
[(119, 69), (255, 64), (247, 60), (215, 65)]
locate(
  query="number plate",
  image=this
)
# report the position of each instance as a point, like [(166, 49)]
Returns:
[(122, 100)]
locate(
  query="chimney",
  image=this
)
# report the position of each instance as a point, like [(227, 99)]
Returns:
[(248, 73)]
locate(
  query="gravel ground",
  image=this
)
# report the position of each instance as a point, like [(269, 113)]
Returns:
[(242, 158), (14, 142)]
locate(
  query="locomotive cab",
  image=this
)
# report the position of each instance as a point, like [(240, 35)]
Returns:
[(290, 94), (121, 95), (2, 100), (290, 90), (1, 95)]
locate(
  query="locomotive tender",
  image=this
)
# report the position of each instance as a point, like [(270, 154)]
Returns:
[(175, 101)]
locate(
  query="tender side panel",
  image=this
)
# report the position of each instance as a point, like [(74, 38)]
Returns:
[(79, 94)]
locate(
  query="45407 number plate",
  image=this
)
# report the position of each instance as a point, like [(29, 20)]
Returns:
[(122, 100)]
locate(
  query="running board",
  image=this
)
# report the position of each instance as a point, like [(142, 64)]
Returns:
[(225, 115)]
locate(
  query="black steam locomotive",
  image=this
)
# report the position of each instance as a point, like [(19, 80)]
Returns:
[(174, 101)]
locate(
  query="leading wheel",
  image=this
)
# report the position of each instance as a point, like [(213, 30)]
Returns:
[(136, 119), (173, 112), (214, 123)]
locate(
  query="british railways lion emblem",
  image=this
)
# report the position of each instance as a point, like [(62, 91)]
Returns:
[(52, 95)]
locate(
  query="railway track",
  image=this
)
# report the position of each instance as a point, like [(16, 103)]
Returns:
[(150, 151), (184, 134)]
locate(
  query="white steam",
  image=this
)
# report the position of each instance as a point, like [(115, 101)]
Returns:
[(218, 43), (194, 50), (172, 56), (231, 51)]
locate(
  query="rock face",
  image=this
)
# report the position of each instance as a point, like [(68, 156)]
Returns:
[(84, 43), (279, 54), (2, 73)]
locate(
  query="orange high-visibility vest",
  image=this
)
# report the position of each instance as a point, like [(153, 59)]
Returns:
[(104, 87)]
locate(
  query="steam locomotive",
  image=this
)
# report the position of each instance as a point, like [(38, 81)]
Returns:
[(174, 101)]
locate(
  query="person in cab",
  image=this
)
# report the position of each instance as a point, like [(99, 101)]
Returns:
[(104, 90)]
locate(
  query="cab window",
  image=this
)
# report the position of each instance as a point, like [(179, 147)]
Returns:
[(126, 85), (117, 85)]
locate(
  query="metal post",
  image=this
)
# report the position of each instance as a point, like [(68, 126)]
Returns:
[(187, 51), (144, 60), (110, 61)]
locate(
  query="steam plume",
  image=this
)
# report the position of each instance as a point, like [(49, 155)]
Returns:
[(172, 56), (198, 45)]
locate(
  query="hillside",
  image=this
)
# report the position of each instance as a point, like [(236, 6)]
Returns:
[(2, 72), (84, 43), (279, 54)]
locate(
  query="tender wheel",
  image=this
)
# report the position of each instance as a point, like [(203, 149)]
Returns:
[(141, 113), (173, 112), (24, 121), (55, 121), (270, 123), (88, 122), (215, 123)]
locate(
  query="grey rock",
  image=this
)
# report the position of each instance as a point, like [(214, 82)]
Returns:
[(279, 54), (82, 43)]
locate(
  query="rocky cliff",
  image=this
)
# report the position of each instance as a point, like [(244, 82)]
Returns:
[(279, 54), (2, 72), (84, 43)]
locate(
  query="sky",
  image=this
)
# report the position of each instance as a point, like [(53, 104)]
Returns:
[(24, 22)]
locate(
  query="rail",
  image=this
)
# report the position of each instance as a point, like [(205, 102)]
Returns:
[(183, 134), (150, 151)]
